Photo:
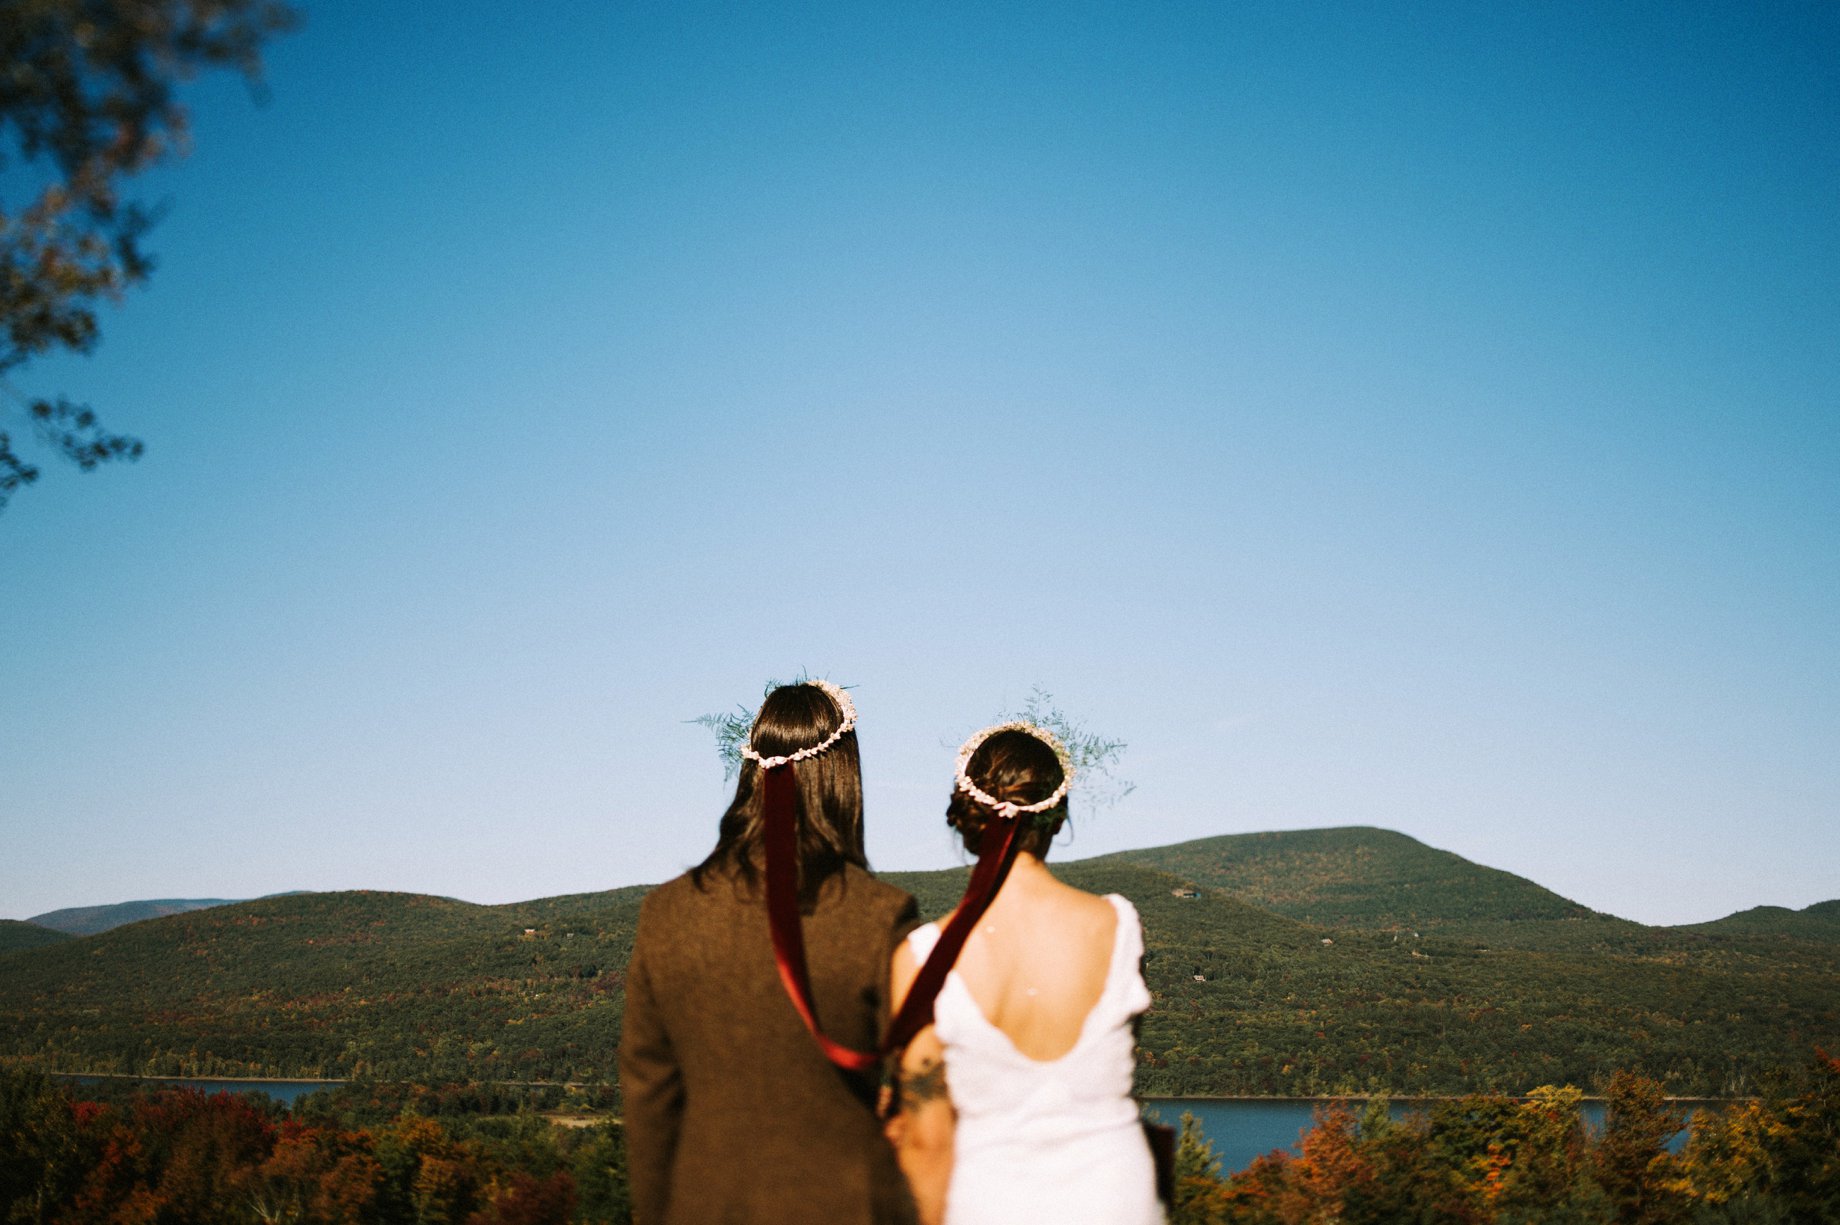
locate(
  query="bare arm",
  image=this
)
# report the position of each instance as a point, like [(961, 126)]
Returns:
[(922, 1129)]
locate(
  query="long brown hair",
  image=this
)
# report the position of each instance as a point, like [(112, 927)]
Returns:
[(1017, 768), (829, 790)]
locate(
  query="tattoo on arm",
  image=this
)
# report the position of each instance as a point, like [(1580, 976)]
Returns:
[(926, 1084)]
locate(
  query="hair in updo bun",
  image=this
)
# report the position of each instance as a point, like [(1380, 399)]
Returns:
[(1016, 768)]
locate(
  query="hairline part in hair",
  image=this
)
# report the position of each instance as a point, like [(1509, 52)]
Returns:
[(846, 709)]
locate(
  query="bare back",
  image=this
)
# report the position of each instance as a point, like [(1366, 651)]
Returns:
[(1036, 962), (1046, 969)]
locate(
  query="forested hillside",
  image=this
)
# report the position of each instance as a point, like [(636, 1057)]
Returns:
[(1247, 1002), (1356, 876), (1373, 880), (17, 935), (1501, 985), (1820, 921), (334, 984)]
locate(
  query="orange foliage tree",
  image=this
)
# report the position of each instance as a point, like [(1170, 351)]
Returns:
[(1492, 1160)]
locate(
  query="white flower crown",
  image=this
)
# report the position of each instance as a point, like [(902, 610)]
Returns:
[(1004, 808), (845, 707)]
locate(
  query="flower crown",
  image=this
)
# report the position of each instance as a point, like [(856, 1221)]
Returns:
[(845, 707), (1005, 808)]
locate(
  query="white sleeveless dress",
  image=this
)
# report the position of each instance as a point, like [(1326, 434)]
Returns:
[(1056, 1140)]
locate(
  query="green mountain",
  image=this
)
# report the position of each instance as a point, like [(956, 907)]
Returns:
[(1315, 984), (17, 935), (1249, 1001), (1376, 880), (89, 920), (1820, 921), (1357, 876), (333, 984)]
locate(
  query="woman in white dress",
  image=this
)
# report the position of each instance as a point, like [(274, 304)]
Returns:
[(1015, 1104)]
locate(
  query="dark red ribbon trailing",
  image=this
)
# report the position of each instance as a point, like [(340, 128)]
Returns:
[(788, 928)]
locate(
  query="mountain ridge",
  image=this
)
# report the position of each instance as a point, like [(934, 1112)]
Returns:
[(1248, 1000), (1821, 920), (1358, 875), (24, 934), (93, 920), (1413, 869)]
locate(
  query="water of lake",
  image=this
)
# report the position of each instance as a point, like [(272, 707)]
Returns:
[(285, 1091), (1241, 1129)]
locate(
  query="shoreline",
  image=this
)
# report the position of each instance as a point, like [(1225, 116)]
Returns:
[(226, 1080), (1404, 1099), (1148, 1098)]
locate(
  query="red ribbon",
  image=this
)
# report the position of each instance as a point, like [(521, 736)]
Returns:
[(788, 927)]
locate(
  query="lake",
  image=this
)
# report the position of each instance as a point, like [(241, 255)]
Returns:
[(285, 1091), (1241, 1129)]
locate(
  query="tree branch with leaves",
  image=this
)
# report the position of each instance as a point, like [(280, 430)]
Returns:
[(88, 100)]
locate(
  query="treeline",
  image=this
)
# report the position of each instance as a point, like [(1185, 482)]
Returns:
[(359, 1156), (1490, 1160), (1356, 876), (340, 985), (1247, 1001), (419, 1155)]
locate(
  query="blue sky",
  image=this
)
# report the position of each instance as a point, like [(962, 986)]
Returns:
[(1420, 416)]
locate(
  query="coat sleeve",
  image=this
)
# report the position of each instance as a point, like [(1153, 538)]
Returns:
[(652, 1093)]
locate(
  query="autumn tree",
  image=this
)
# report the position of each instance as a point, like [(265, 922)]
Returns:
[(1199, 1192), (88, 101), (1633, 1165), (44, 1153), (1772, 1159)]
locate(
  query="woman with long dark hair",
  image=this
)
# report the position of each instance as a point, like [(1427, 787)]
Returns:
[(1015, 1103), (732, 1112)]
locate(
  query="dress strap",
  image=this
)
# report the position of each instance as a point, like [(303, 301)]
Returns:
[(1128, 943), (922, 939), (1123, 982)]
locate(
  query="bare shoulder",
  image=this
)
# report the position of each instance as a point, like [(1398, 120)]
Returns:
[(904, 966), (1088, 910)]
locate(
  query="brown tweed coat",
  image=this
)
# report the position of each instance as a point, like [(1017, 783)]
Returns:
[(732, 1113)]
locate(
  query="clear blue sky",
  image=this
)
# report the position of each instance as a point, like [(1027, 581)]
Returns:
[(1424, 416)]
